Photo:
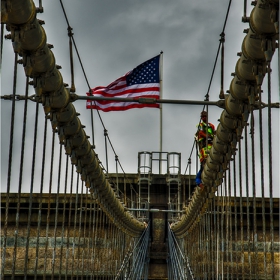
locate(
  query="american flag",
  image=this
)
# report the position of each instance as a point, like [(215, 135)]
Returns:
[(142, 81)]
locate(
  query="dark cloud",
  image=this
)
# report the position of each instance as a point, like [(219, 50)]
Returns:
[(113, 37)]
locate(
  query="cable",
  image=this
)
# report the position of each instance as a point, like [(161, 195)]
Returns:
[(221, 41), (85, 76)]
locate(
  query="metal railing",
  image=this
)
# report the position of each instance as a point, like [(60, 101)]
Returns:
[(136, 262), (177, 262)]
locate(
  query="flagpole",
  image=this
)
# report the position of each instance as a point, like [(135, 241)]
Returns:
[(160, 111)]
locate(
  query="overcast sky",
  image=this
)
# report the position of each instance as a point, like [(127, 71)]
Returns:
[(112, 38)]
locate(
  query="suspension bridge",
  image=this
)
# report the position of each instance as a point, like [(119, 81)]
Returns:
[(76, 220)]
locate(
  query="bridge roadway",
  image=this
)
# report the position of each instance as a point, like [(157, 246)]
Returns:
[(158, 253), (29, 41)]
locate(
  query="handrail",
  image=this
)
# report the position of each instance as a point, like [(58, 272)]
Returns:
[(29, 41), (257, 50)]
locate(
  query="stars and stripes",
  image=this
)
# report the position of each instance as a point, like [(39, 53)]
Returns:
[(143, 81)]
